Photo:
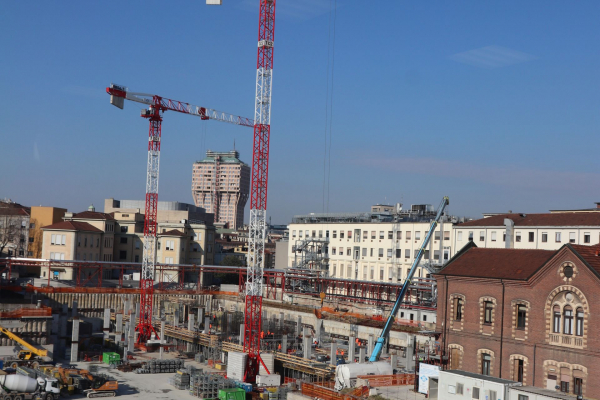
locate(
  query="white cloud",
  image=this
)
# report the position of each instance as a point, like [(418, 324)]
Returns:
[(492, 57)]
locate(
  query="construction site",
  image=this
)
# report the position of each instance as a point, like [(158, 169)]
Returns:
[(171, 333)]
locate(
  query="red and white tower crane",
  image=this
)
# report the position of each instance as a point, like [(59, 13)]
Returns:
[(156, 106), (258, 190)]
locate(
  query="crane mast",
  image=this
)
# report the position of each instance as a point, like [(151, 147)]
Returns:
[(258, 191), (390, 321), (156, 106)]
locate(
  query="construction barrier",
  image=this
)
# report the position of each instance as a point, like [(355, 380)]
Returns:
[(386, 380), (325, 393), (25, 312)]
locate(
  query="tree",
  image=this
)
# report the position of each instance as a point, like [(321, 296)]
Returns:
[(9, 232), (232, 261)]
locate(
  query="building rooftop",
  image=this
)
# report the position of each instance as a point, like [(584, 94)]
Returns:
[(553, 394), (93, 215), (230, 157), (482, 377), (172, 232), (72, 226), (512, 264), (548, 219)]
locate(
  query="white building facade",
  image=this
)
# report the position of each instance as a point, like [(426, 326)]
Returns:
[(529, 231), (367, 246)]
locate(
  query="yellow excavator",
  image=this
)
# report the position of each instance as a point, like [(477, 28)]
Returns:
[(30, 357)]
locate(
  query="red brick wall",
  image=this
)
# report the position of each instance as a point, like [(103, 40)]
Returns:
[(534, 342)]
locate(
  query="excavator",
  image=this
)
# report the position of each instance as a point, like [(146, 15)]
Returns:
[(76, 380), (29, 358)]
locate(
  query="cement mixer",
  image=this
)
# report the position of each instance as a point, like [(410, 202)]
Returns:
[(21, 387)]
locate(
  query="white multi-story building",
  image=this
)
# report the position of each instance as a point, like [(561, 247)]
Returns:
[(376, 246), (221, 185), (547, 231)]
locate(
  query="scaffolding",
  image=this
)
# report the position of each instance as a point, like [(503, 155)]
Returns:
[(311, 253)]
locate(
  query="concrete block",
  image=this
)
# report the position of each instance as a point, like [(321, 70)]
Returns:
[(333, 353), (370, 345), (191, 322), (351, 348), (119, 323)]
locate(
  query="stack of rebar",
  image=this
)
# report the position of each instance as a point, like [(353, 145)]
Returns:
[(181, 380), (160, 367), (207, 386)]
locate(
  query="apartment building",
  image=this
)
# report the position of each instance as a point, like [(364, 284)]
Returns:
[(376, 246), (547, 231), (119, 236), (221, 185), (41, 216)]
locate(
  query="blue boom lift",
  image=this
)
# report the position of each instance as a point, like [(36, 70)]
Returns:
[(390, 321)]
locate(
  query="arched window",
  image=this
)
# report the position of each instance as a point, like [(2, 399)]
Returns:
[(579, 322), (459, 309), (568, 316), (486, 361), (556, 325)]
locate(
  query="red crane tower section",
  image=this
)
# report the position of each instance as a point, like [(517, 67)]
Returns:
[(258, 191), (156, 106)]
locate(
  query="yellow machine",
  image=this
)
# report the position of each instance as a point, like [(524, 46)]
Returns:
[(29, 357)]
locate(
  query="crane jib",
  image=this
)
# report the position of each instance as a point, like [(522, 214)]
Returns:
[(390, 321)]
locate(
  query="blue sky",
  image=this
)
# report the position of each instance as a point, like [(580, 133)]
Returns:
[(495, 104)]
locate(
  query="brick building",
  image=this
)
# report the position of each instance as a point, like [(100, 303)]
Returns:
[(525, 315)]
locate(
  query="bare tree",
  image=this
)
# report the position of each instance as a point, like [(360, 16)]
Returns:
[(9, 232)]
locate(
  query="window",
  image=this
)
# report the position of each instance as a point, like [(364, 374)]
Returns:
[(564, 387), (488, 308), (459, 388), (371, 252), (380, 235), (333, 271), (334, 234), (459, 309), (556, 320), (123, 240), (349, 272), (408, 235), (486, 361), (417, 235), (578, 386), (436, 254), (381, 273), (124, 229), (365, 235), (531, 236), (31, 226), (341, 234), (390, 234), (398, 253), (568, 317), (475, 394), (349, 251), (306, 235), (398, 235), (517, 236), (372, 234), (493, 236), (372, 272), (137, 258), (349, 234), (389, 253), (326, 233), (571, 237), (137, 244), (407, 253), (321, 234), (544, 237), (341, 270), (446, 235), (425, 318), (294, 234), (416, 252), (586, 237), (521, 316), (459, 236), (380, 252), (364, 252), (579, 322), (333, 251), (85, 242), (470, 236), (314, 234), (519, 368), (492, 395), (436, 235), (300, 234), (557, 237), (523, 397), (53, 239)]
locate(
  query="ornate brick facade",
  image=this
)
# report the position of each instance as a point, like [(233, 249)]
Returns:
[(541, 305)]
